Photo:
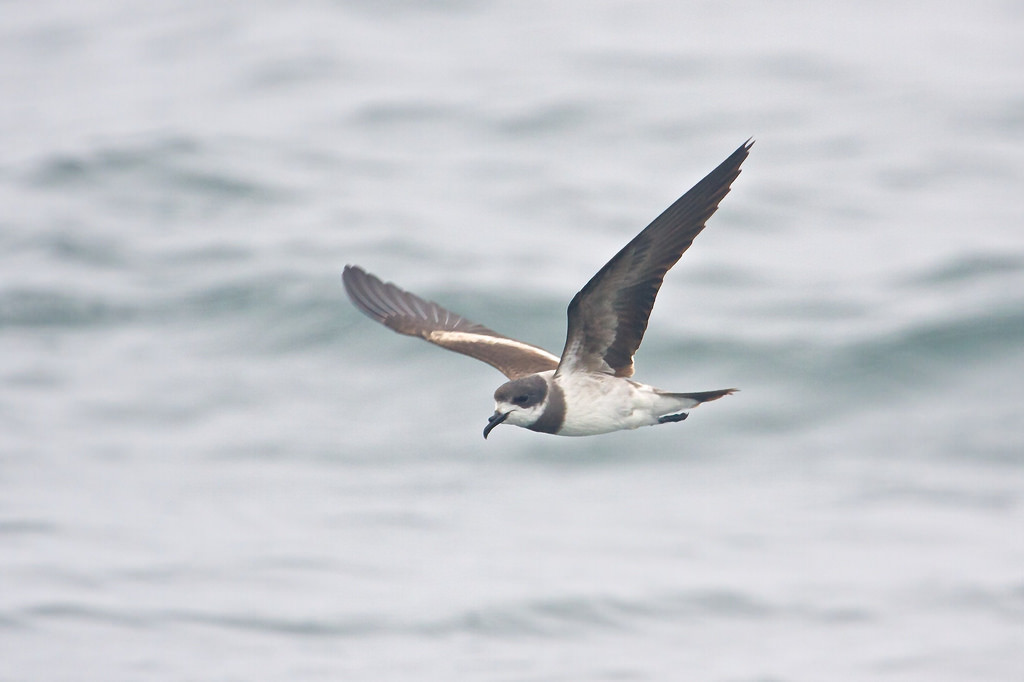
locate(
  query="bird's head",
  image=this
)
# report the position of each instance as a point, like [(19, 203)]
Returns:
[(519, 402)]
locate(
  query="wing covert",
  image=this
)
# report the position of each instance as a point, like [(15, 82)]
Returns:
[(408, 314)]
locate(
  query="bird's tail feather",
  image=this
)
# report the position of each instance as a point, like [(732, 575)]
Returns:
[(702, 396)]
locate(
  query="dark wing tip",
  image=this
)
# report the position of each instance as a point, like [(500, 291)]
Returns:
[(400, 310), (357, 285), (731, 166), (380, 300), (674, 230)]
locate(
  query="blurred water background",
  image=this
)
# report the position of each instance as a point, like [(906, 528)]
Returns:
[(212, 467)]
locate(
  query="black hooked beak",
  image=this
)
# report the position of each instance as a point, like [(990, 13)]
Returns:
[(494, 420)]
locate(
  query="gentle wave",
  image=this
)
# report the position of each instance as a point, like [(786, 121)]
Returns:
[(559, 617), (170, 167)]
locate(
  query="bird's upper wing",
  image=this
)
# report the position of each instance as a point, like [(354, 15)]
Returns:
[(608, 317), (409, 314)]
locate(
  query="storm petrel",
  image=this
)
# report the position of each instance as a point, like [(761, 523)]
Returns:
[(588, 390)]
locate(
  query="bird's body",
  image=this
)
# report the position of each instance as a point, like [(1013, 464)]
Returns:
[(588, 389), (587, 404)]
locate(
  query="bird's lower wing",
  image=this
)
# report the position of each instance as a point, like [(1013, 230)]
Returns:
[(408, 314)]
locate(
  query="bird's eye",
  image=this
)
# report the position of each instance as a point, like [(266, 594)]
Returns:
[(521, 399)]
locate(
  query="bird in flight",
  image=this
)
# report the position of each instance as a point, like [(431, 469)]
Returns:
[(588, 390)]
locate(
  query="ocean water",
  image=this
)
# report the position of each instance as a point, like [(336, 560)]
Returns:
[(212, 467)]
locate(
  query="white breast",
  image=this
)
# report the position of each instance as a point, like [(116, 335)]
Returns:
[(598, 403)]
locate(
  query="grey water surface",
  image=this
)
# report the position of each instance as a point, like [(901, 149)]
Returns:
[(212, 467)]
